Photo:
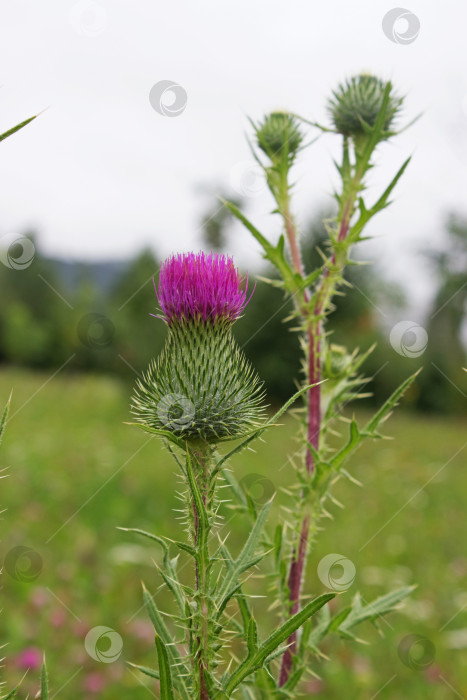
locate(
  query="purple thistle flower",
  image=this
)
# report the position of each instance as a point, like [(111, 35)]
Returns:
[(199, 286)]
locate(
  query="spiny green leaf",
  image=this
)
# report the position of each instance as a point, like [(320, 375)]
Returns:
[(252, 639), (4, 418), (11, 694), (165, 675), (391, 402), (160, 433), (382, 203), (356, 436), (256, 660), (16, 128), (380, 606), (151, 672), (170, 578), (164, 634), (44, 682), (245, 559), (343, 454), (275, 254), (156, 538)]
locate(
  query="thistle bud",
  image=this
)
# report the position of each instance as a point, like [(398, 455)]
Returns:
[(201, 387), (355, 105), (279, 135)]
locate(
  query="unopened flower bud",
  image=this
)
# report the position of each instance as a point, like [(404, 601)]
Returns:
[(279, 135), (356, 105)]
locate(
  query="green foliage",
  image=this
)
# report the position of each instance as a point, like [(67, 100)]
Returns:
[(4, 417), (16, 128), (44, 683), (259, 654), (204, 611), (54, 472), (165, 675)]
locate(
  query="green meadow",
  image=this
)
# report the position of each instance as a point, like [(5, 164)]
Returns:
[(76, 473)]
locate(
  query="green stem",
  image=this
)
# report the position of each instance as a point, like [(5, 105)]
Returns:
[(199, 482)]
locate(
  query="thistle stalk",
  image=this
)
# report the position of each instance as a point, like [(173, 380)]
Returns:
[(312, 320), (201, 529), (362, 111)]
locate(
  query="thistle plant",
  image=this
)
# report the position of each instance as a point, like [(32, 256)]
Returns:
[(201, 393), (363, 113)]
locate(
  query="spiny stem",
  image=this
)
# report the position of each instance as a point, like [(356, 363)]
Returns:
[(201, 454), (313, 320), (294, 584)]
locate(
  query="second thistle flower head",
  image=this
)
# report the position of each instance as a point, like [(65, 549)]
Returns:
[(357, 102), (201, 387)]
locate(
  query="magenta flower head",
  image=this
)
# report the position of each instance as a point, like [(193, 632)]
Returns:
[(201, 387), (200, 287)]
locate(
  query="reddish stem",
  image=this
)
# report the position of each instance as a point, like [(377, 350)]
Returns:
[(295, 584), (298, 562)]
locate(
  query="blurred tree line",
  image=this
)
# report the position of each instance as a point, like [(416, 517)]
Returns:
[(95, 317)]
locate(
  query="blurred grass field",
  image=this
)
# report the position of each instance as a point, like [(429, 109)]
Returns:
[(76, 472)]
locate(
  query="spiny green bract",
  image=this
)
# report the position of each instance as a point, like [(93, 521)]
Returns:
[(358, 101), (277, 132), (201, 386)]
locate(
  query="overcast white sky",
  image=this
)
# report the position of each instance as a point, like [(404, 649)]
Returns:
[(101, 173)]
